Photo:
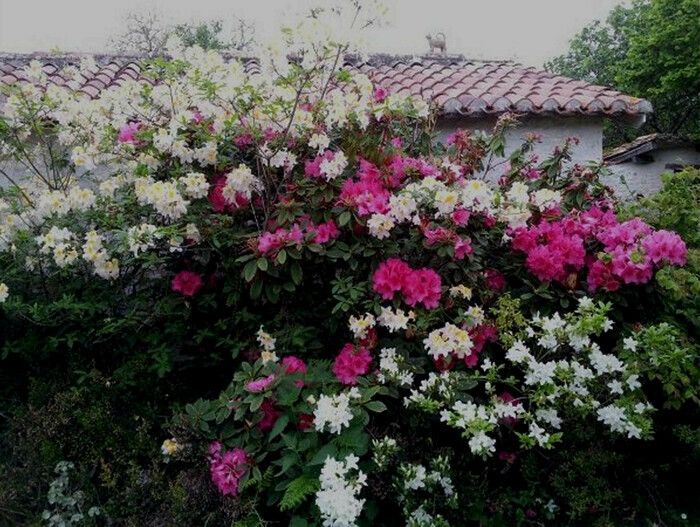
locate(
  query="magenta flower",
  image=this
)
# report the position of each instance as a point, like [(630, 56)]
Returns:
[(261, 384), (350, 363), (227, 467), (186, 283), (127, 133)]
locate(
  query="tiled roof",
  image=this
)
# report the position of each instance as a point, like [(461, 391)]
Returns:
[(457, 85)]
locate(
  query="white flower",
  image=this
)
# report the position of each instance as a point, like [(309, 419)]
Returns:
[(360, 326), (380, 225), (333, 411), (482, 444), (283, 159), (633, 382), (394, 320), (615, 387), (331, 169), (540, 372), (240, 181), (461, 291), (447, 340), (195, 184), (402, 207), (518, 194), (337, 499), (319, 141), (630, 344), (519, 352), (267, 342), (545, 198), (603, 363), (550, 416), (4, 292), (417, 480), (140, 238), (539, 434), (446, 201)]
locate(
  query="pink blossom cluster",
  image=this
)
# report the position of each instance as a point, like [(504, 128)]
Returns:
[(292, 365), (630, 250), (227, 467), (418, 286), (312, 168), (442, 236), (553, 252), (351, 362), (401, 166), (187, 283), (127, 133), (219, 203), (272, 242), (366, 192)]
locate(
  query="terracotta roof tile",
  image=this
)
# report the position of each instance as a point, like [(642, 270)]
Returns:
[(456, 85)]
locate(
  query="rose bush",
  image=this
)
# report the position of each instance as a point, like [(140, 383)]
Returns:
[(350, 321)]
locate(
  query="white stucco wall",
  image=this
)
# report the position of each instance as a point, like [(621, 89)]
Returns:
[(645, 178), (553, 130)]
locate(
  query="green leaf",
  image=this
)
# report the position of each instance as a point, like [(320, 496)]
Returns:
[(262, 264), (279, 426), (297, 491), (249, 270), (296, 273), (375, 406)]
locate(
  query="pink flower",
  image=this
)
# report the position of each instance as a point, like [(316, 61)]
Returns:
[(127, 133), (271, 242), (243, 140), (532, 173), (460, 217), (221, 204), (305, 422), (270, 415), (351, 363), (438, 235), (665, 246), (261, 384), (463, 247), (227, 467), (367, 194), (325, 232), (389, 277), (495, 280), (417, 285), (312, 168), (186, 283), (600, 275), (293, 365), (422, 286), (379, 94)]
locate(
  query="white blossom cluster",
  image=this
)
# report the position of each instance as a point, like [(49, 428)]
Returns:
[(392, 368), (268, 344), (448, 340), (395, 319), (338, 498), (334, 411), (361, 325)]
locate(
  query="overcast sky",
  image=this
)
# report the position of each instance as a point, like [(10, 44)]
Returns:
[(529, 31)]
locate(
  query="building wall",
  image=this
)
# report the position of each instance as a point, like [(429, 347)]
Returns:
[(645, 178), (553, 129)]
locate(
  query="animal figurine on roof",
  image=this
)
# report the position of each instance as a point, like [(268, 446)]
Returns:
[(437, 43)]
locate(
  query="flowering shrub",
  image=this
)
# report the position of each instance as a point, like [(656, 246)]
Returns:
[(401, 317)]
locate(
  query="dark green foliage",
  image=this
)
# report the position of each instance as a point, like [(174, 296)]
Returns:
[(649, 49)]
